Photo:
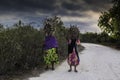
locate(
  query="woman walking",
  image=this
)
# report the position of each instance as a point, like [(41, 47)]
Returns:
[(73, 41), (50, 46)]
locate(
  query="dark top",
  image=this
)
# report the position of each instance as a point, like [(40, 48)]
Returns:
[(71, 46)]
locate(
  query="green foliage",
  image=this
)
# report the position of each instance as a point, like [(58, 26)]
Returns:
[(104, 23), (1, 27), (60, 35), (72, 32), (51, 23), (109, 21), (21, 47), (97, 38), (88, 37)]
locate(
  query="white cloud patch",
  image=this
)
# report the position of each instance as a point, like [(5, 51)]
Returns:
[(87, 22), (74, 19), (7, 17)]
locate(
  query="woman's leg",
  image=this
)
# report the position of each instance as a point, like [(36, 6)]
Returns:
[(52, 65), (75, 68), (70, 69), (46, 68)]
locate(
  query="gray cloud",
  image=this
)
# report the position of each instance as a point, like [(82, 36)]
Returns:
[(53, 5), (84, 13), (27, 5)]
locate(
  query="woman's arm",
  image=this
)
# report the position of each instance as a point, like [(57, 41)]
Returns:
[(78, 42)]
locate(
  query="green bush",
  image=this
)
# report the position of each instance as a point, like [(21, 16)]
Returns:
[(20, 48), (100, 38)]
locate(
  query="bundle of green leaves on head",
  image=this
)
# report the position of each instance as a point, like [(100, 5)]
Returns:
[(73, 32), (50, 25)]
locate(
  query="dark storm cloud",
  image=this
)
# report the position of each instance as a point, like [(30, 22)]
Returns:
[(71, 6), (98, 2), (55, 6), (83, 13), (27, 5), (82, 5), (97, 5)]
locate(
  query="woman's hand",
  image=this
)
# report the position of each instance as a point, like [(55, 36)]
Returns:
[(78, 42)]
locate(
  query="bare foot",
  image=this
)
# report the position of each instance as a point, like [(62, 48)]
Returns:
[(46, 68), (75, 70), (69, 70), (53, 68)]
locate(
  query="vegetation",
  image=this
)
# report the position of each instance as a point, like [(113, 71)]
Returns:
[(109, 21), (21, 47), (72, 32), (100, 38)]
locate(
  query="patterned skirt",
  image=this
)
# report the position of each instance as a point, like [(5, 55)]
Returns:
[(73, 59), (50, 56)]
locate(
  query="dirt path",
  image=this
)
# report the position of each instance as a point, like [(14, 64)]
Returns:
[(97, 63)]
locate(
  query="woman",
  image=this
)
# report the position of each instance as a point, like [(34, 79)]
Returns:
[(50, 47), (73, 57)]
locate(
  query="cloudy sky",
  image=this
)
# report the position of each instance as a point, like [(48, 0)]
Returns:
[(83, 13)]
